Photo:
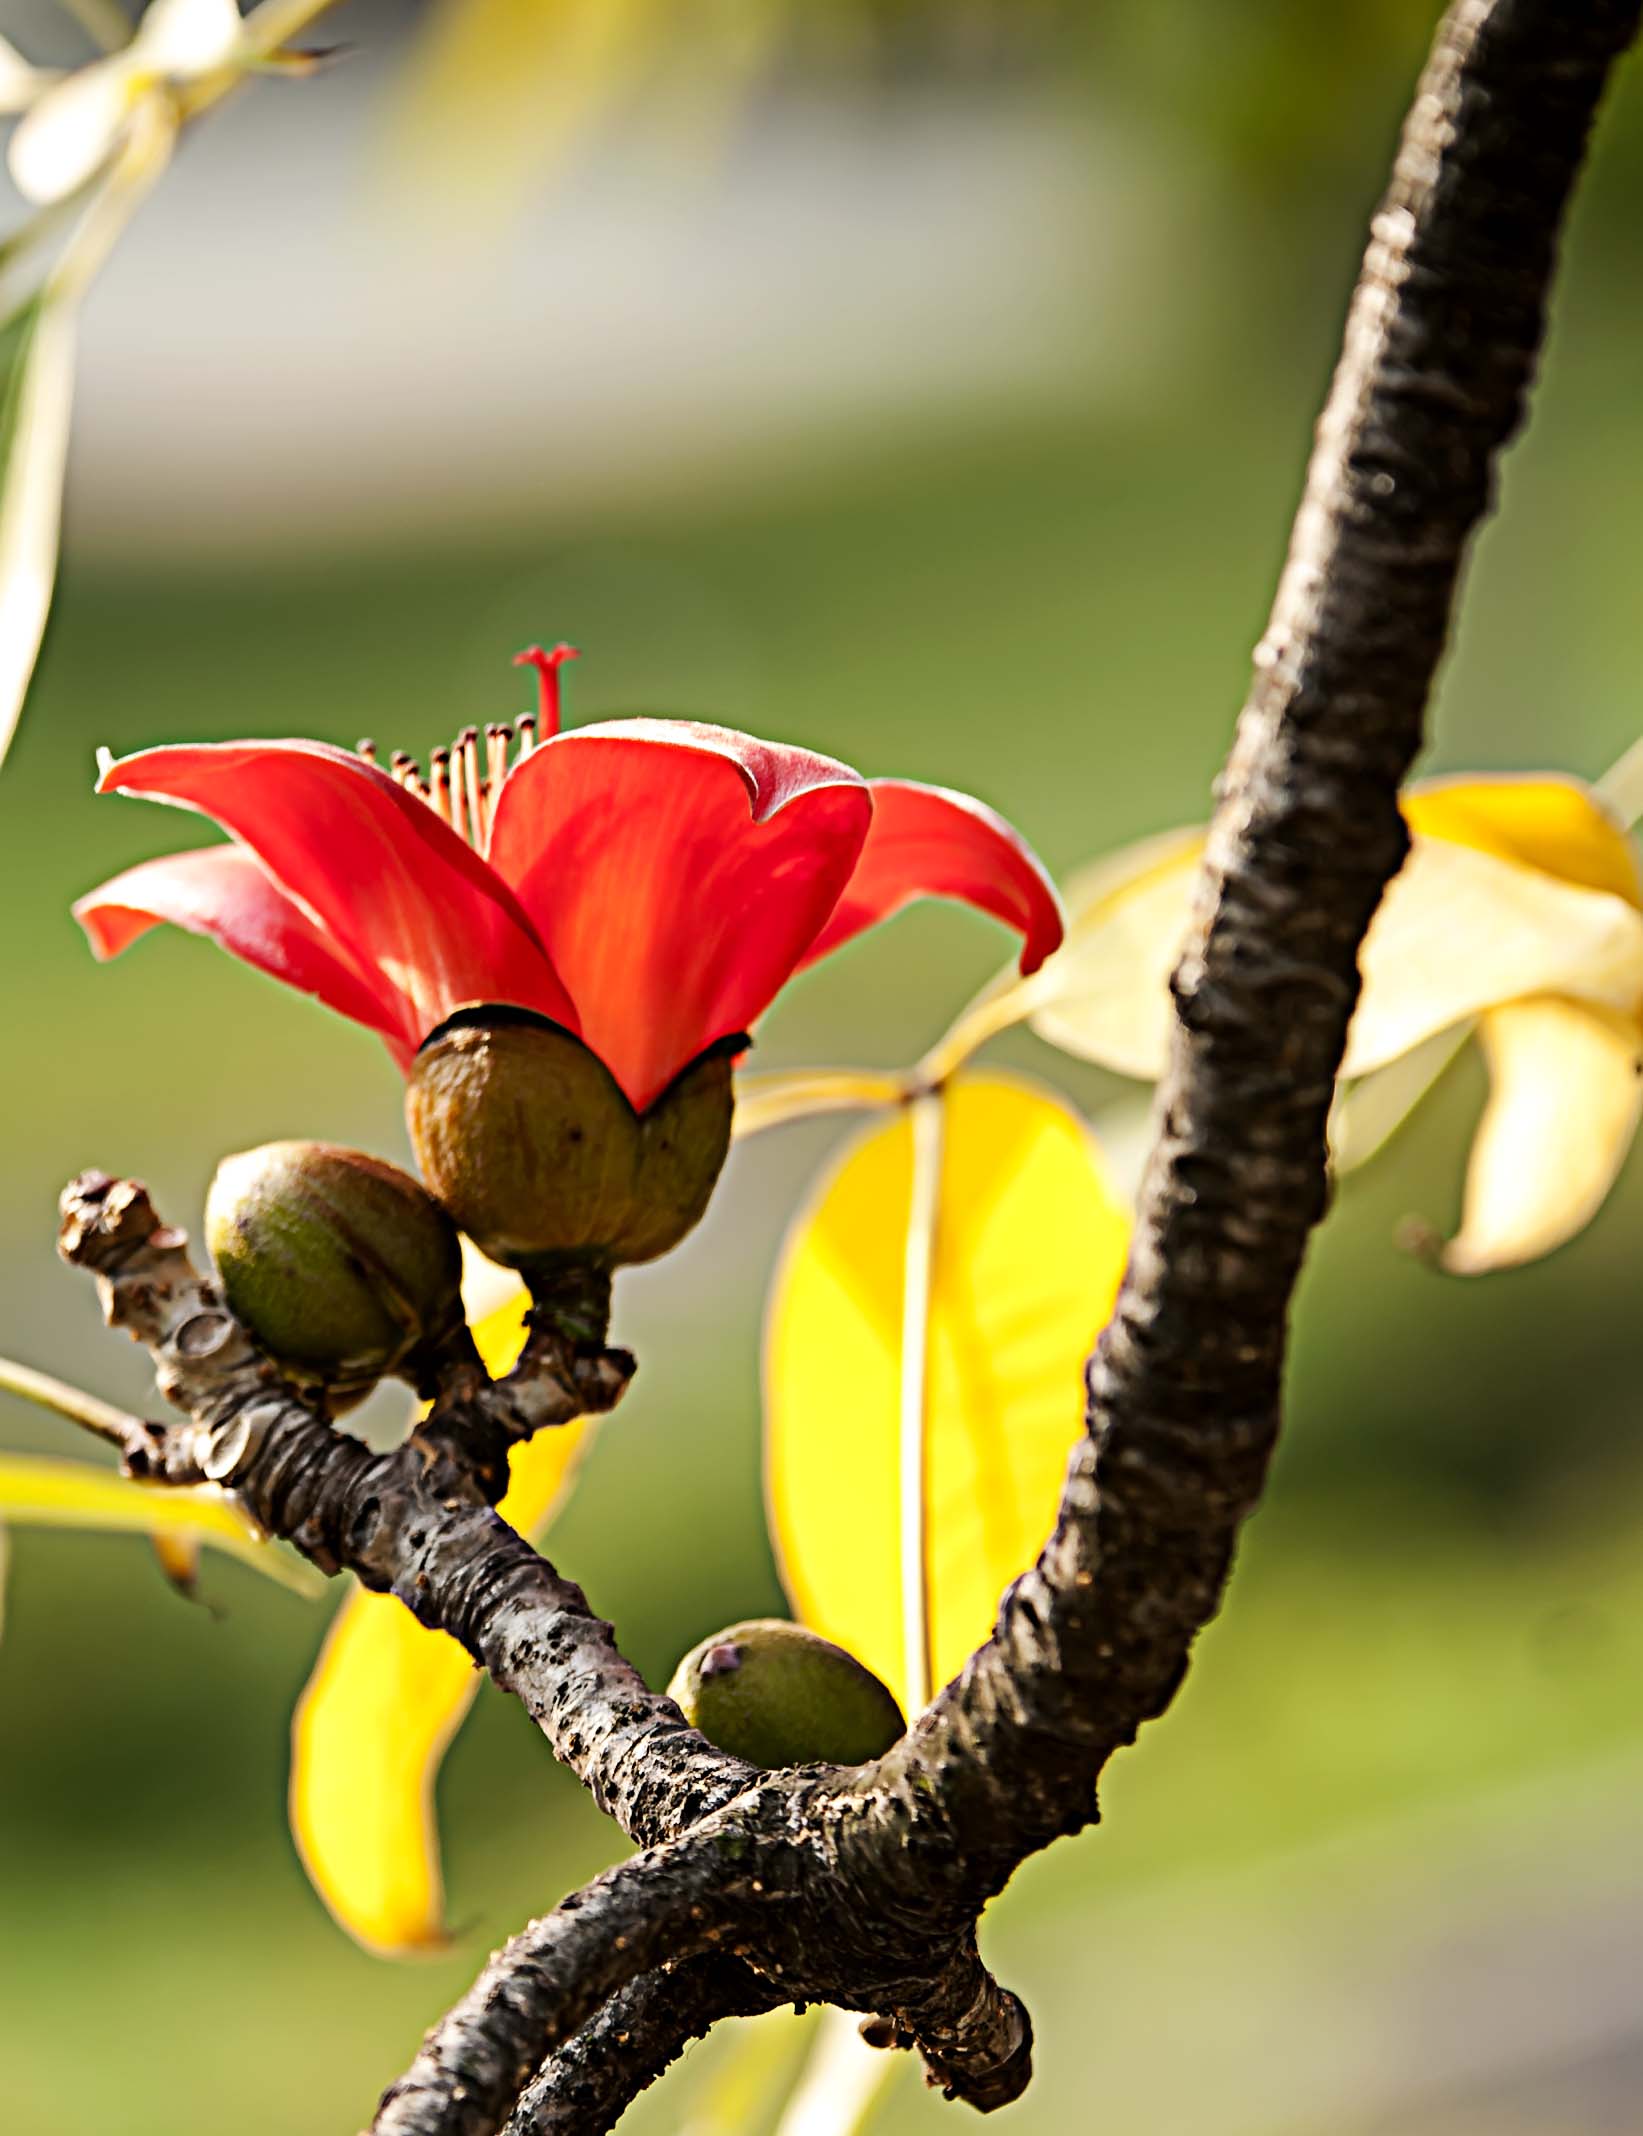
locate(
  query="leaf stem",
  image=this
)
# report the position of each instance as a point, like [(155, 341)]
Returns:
[(117, 1426), (926, 1115), (1621, 786)]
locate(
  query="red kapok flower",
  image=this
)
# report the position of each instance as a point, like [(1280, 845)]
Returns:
[(650, 884)]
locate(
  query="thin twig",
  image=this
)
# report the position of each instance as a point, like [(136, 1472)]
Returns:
[(118, 1426)]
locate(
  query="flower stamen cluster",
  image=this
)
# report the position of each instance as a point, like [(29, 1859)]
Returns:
[(464, 782)]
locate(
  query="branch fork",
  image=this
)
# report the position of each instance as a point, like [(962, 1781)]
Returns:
[(863, 1887)]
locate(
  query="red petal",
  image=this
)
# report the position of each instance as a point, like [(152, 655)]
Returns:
[(226, 893), (676, 874), (396, 891), (927, 842)]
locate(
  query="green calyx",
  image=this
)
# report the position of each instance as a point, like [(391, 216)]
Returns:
[(530, 1143), (343, 1267), (777, 1694)]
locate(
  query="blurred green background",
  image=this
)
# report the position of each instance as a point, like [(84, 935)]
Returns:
[(1380, 1867)]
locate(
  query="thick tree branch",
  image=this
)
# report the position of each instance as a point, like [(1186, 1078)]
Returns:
[(671, 1903), (1439, 349), (869, 1884), (586, 2085)]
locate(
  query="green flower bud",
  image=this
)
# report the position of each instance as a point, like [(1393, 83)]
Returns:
[(342, 1267), (776, 1694), (532, 1145)]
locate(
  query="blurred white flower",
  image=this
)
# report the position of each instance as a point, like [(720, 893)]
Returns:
[(20, 84), (74, 123)]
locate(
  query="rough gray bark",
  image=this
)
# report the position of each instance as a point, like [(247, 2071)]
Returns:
[(863, 1888)]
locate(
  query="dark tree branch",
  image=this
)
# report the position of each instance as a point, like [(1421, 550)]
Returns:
[(586, 2085), (863, 1888), (1439, 349), (671, 1903), (414, 1522)]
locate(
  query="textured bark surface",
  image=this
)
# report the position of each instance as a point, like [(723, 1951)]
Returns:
[(863, 1888), (596, 2076)]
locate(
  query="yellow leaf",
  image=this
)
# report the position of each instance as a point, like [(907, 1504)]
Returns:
[(1461, 930), (1513, 887), (38, 1491), (1565, 1093), (1030, 1243), (1540, 820), (1104, 995), (384, 1701)]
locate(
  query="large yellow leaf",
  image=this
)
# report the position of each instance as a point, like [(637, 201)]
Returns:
[(1563, 1106), (36, 1490), (1029, 1246), (385, 1699)]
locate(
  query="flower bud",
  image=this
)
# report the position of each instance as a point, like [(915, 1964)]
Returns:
[(777, 1694), (342, 1267), (532, 1145)]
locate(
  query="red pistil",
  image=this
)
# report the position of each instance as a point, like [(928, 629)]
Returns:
[(547, 666)]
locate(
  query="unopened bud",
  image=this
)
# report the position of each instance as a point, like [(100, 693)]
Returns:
[(342, 1267), (530, 1142), (777, 1694)]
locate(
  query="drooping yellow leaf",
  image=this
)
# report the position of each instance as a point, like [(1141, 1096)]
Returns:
[(1461, 930), (1512, 888), (1566, 1087), (37, 1490), (1030, 1243), (385, 1699), (1541, 820)]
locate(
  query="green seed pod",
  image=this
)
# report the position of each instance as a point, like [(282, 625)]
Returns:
[(776, 1694), (343, 1267), (530, 1142)]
